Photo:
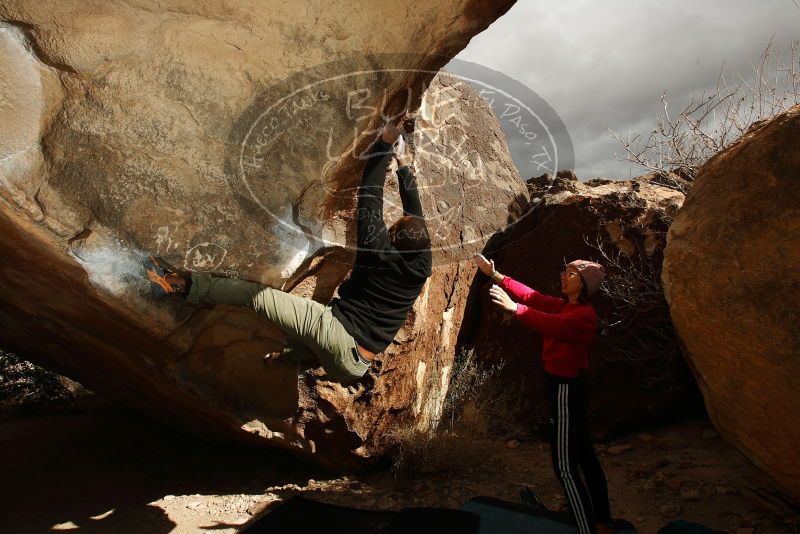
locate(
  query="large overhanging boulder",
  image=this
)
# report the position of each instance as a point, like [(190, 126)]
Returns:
[(732, 277), (224, 137), (637, 375)]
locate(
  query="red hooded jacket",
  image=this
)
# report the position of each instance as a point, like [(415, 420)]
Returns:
[(567, 329)]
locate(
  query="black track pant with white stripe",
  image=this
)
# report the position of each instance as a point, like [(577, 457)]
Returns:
[(573, 453)]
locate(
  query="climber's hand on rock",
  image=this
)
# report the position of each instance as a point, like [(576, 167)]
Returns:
[(501, 299), (390, 133), (402, 160), (486, 266)]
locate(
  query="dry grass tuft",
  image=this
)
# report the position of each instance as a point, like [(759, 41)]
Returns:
[(480, 408)]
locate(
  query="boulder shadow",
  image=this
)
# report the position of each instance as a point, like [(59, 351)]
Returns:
[(100, 470)]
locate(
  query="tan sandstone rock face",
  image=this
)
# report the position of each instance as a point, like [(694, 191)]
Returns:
[(732, 277), (225, 136), (637, 375)]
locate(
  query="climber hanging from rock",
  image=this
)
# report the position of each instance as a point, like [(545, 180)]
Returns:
[(390, 270), (568, 325)]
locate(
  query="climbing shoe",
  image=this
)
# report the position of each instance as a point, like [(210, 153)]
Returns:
[(164, 279)]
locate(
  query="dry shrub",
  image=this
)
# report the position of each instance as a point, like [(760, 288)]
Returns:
[(638, 327), (479, 409), (681, 142)]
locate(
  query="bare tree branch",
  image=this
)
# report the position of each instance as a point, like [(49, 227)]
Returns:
[(682, 143), (639, 328)]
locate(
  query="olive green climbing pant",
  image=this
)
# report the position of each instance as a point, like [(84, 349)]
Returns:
[(313, 331)]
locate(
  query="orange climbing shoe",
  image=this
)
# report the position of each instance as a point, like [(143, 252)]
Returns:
[(164, 279)]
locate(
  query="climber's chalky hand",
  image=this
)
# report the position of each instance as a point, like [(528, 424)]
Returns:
[(390, 133)]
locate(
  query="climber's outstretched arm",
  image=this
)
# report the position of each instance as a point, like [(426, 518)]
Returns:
[(371, 230), (409, 194)]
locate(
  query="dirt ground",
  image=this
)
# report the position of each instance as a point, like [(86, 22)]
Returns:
[(111, 470)]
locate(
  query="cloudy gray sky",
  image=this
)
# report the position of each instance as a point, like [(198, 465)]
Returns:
[(605, 64)]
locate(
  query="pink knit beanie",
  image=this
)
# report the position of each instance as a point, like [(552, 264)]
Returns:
[(592, 274)]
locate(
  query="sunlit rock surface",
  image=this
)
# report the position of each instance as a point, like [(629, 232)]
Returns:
[(224, 136)]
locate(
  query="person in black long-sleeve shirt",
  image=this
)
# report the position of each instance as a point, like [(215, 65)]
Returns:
[(391, 267)]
